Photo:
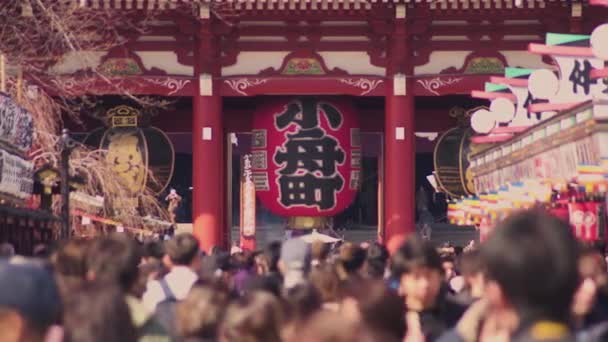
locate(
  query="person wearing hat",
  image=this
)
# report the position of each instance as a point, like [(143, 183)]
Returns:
[(29, 302)]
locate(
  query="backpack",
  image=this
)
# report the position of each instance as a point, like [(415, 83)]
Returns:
[(165, 310)]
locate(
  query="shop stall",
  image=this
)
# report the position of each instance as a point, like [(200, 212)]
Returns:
[(20, 224), (545, 137)]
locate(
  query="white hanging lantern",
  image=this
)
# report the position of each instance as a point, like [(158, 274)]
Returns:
[(502, 109), (599, 41), (483, 121), (543, 84)]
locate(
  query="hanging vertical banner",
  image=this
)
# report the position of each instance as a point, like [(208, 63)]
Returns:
[(592, 221), (584, 220), (16, 176), (16, 125), (247, 232)]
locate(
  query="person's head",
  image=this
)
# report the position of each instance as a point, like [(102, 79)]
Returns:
[(98, 313), (326, 280), (29, 302), (592, 272), (375, 262), (272, 254), (243, 260), (201, 312), (7, 250), (351, 259), (114, 260), (303, 302), (183, 250), (328, 326), (418, 267), (262, 283), (262, 265), (151, 270), (370, 302), (530, 260), (217, 266), (69, 264), (294, 262), (153, 250), (320, 252), (70, 258), (471, 269), (447, 263), (257, 317)]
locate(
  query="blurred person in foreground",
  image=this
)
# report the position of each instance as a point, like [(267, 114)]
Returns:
[(449, 267), (320, 253), (183, 260), (113, 261), (29, 303), (268, 277), (199, 315), (98, 313), (590, 304), (294, 262), (530, 261), (301, 303), (373, 304), (326, 280), (328, 326), (418, 268), (257, 317), (471, 281), (375, 261), (244, 263), (69, 265), (351, 258)]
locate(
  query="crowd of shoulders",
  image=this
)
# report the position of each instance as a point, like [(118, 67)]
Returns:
[(530, 281)]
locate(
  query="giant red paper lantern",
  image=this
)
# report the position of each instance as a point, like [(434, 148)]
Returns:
[(306, 155)]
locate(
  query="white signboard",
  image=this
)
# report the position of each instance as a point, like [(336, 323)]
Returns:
[(16, 176)]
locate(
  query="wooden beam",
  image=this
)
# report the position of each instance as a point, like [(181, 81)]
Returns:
[(448, 45), (264, 31), (463, 30), (288, 46)]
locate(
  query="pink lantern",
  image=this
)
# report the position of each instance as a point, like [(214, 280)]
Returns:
[(306, 156)]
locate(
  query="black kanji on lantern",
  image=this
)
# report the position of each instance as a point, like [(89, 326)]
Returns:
[(309, 155), (310, 150), (581, 76), (309, 190), (305, 113)]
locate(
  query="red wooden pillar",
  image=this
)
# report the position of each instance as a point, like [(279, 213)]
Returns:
[(399, 139), (399, 165), (208, 142), (207, 176)]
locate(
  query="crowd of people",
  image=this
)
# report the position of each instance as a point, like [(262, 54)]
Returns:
[(530, 281)]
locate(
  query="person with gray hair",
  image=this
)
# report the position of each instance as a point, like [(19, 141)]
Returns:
[(7, 250)]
